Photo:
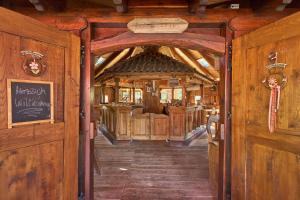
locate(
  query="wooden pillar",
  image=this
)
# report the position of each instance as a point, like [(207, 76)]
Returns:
[(86, 143), (172, 95), (103, 85), (133, 92), (117, 87), (183, 93), (202, 91), (188, 97)]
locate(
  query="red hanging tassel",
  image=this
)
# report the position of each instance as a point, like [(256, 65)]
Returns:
[(273, 106)]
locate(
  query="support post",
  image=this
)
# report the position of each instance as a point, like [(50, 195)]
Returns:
[(103, 85), (117, 87), (184, 93)]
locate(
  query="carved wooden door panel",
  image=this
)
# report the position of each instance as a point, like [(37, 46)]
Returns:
[(266, 164), (39, 161)]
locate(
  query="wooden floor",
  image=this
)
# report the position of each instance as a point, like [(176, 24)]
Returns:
[(151, 170)]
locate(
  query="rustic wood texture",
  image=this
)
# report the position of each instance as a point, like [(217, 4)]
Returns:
[(213, 157), (11, 61), (40, 161), (160, 126), (177, 123), (140, 127), (123, 123), (33, 172), (264, 164), (157, 25), (213, 43), (151, 170)]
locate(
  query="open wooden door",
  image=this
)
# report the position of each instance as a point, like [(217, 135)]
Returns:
[(266, 165), (38, 160)]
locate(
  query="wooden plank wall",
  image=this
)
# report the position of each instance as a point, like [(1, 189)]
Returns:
[(265, 165), (39, 161)]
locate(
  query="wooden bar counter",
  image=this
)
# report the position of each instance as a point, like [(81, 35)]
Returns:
[(128, 122)]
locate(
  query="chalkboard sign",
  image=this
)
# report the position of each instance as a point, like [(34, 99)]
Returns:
[(29, 102)]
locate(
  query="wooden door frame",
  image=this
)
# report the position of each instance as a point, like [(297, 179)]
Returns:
[(127, 40)]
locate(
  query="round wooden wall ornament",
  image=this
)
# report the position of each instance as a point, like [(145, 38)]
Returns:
[(33, 63)]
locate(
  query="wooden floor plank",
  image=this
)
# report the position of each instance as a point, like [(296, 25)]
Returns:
[(150, 170)]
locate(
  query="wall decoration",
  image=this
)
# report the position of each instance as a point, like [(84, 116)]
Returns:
[(33, 63), (29, 102), (173, 82), (275, 81), (158, 25)]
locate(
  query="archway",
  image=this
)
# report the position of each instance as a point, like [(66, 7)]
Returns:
[(202, 42)]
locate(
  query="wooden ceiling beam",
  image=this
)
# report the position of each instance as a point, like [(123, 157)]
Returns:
[(43, 5), (197, 6), (191, 62), (210, 59), (37, 5), (211, 43), (118, 57), (121, 5), (278, 5), (107, 61), (191, 57), (176, 55), (157, 4)]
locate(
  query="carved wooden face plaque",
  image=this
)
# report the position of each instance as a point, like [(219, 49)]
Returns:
[(276, 75), (33, 63)]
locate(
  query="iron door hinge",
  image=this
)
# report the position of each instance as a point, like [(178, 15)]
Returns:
[(82, 114), (229, 115), (229, 63), (82, 56)]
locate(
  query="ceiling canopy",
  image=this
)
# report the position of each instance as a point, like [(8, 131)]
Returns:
[(149, 61)]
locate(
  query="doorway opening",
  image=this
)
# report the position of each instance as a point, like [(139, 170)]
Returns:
[(133, 102)]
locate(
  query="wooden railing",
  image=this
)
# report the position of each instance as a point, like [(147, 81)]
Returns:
[(126, 123)]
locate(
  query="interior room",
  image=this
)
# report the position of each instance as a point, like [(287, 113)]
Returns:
[(132, 99)]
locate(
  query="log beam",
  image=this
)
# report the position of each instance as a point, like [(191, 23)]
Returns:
[(278, 5), (202, 42), (188, 59), (121, 6), (107, 61), (121, 56), (37, 5), (199, 6)]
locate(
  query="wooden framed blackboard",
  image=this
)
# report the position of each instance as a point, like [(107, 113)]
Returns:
[(29, 102)]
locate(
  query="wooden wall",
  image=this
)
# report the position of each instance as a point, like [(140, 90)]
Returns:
[(210, 97), (213, 156), (39, 161), (151, 102), (265, 164)]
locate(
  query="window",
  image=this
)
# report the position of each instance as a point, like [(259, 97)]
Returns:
[(178, 94), (197, 99), (124, 95), (106, 99), (138, 96), (165, 95)]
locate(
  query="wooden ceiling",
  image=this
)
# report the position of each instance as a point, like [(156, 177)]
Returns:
[(208, 67), (123, 6)]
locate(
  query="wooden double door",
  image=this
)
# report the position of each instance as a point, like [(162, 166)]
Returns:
[(39, 161), (266, 164)]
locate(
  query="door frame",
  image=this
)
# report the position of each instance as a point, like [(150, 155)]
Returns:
[(113, 44)]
